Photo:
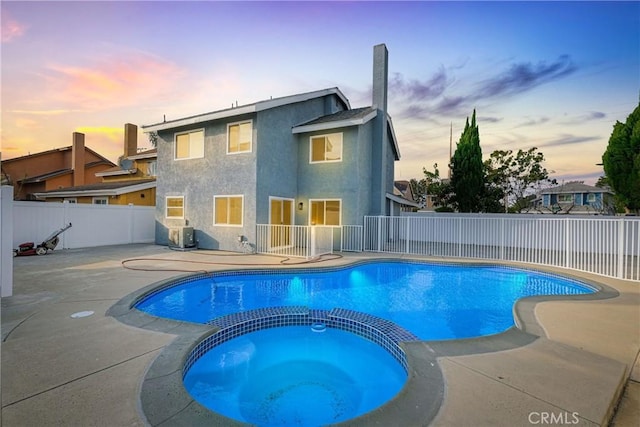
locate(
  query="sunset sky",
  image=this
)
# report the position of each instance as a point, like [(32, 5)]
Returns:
[(556, 76)]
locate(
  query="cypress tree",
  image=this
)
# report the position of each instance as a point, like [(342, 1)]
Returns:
[(467, 172)]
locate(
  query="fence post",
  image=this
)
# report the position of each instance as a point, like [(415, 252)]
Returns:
[(406, 237), (65, 220), (621, 245), (567, 245), (131, 222), (459, 237), (379, 219), (502, 238)]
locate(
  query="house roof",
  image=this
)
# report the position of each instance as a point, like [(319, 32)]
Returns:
[(100, 189), (42, 153), (344, 118), (53, 174), (246, 109), (147, 154), (117, 171), (575, 187), (399, 199), (404, 189), (355, 117)]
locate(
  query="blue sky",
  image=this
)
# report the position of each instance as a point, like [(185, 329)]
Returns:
[(556, 76)]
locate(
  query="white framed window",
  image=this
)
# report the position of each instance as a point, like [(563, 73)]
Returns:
[(100, 200), (228, 210), (325, 212), (189, 145), (240, 137), (591, 197), (174, 207), (70, 200), (325, 148), (565, 198)]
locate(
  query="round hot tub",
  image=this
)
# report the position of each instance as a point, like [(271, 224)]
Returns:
[(294, 375)]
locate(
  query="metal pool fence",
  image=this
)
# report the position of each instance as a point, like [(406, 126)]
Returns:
[(605, 246)]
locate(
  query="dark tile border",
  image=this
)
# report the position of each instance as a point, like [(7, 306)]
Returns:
[(165, 401)]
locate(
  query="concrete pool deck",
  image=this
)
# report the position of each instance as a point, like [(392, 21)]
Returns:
[(58, 370)]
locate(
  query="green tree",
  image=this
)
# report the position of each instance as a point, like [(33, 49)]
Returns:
[(467, 170), (621, 160), (439, 189), (611, 206), (518, 175)]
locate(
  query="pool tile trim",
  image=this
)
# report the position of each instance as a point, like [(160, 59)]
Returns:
[(382, 332)]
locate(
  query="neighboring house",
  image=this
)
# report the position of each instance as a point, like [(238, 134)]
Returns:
[(304, 159), (576, 198), (403, 189), (53, 169), (133, 182)]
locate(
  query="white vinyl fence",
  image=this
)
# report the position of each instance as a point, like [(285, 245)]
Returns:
[(605, 246), (92, 225)]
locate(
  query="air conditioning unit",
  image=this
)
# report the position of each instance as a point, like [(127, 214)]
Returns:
[(181, 237)]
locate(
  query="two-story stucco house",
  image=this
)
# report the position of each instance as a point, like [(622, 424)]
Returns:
[(304, 159)]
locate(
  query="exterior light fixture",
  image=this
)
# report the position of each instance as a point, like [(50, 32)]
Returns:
[(300, 206)]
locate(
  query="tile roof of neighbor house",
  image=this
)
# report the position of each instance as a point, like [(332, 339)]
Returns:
[(245, 109), (60, 172), (42, 153), (102, 188), (575, 187)]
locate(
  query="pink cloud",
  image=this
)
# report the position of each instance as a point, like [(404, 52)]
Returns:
[(11, 29), (126, 80)]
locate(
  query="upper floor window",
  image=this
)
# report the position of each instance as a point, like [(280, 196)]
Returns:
[(100, 200), (591, 197), (239, 137), (175, 207), (227, 210), (326, 148), (70, 200), (189, 145), (325, 212), (565, 198)]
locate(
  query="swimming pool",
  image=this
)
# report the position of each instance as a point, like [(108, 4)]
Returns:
[(433, 301)]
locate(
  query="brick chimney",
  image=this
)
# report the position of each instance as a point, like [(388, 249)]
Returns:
[(77, 158), (130, 140)]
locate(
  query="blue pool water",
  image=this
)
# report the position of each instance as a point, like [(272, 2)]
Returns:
[(433, 301), (294, 376)]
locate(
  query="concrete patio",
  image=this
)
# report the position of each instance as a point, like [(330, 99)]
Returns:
[(88, 371)]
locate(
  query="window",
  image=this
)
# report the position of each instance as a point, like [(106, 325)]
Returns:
[(326, 148), (565, 198), (151, 168), (70, 200), (189, 145), (100, 201), (239, 137), (175, 207), (325, 212), (591, 197), (227, 210)]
